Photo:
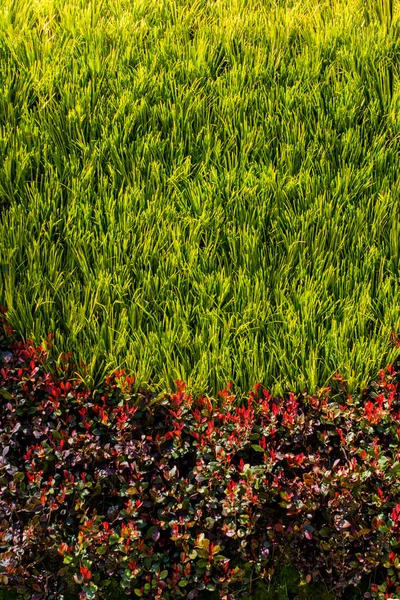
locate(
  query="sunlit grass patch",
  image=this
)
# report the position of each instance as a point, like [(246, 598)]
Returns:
[(205, 191)]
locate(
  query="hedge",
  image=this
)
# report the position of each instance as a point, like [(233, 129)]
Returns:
[(175, 496)]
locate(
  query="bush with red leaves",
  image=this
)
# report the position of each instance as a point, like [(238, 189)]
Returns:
[(173, 496)]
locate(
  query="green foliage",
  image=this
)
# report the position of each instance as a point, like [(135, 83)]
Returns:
[(203, 190)]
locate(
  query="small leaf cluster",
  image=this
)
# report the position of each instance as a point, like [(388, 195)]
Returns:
[(176, 496)]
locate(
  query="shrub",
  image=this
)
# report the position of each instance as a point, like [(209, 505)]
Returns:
[(173, 496)]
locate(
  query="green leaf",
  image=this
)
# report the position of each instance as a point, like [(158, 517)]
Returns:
[(164, 574), (257, 448), (202, 564), (395, 468), (96, 490), (382, 462), (138, 593), (325, 532), (202, 543), (209, 522), (6, 395), (150, 532), (91, 591), (219, 558)]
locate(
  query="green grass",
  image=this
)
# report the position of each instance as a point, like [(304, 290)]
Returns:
[(203, 190)]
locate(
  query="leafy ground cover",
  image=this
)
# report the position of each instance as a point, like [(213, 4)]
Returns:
[(205, 191), (181, 496)]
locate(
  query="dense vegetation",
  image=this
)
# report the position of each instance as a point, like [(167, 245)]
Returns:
[(203, 190), (175, 496)]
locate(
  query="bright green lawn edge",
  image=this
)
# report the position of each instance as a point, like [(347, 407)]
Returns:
[(205, 191)]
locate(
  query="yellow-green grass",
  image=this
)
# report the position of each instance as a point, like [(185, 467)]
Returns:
[(203, 190)]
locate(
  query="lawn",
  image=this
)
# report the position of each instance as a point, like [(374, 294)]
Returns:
[(203, 190)]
